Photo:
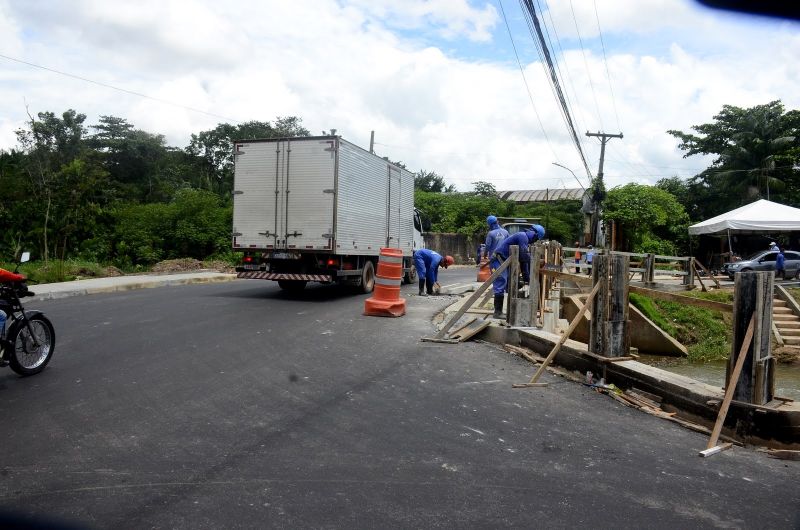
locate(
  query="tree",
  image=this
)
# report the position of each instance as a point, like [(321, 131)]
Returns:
[(134, 159), (431, 181), (49, 144), (756, 155), (648, 218), (214, 148), (485, 189)]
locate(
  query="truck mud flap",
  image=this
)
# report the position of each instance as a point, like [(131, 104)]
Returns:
[(258, 275)]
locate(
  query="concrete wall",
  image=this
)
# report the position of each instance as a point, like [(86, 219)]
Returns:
[(462, 248), (645, 334)]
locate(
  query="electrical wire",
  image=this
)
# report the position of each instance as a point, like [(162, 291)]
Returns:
[(131, 92), (605, 60), (570, 85), (533, 22), (527, 87), (586, 63)]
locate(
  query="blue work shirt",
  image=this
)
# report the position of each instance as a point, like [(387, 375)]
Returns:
[(521, 240), (495, 236), (427, 263)]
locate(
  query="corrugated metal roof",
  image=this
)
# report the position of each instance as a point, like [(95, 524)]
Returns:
[(555, 194)]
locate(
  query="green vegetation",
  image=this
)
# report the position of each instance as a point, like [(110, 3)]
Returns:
[(112, 194), (648, 219), (706, 334)]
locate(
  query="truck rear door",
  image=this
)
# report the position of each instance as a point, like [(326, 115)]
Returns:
[(284, 194)]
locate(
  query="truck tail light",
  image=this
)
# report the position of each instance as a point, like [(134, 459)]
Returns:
[(331, 262)]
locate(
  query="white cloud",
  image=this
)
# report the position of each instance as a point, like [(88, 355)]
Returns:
[(382, 65)]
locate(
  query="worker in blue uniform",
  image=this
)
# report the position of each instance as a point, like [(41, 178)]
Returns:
[(427, 263), (501, 253), (495, 236)]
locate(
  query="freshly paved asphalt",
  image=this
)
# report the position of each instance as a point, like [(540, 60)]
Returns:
[(235, 405)]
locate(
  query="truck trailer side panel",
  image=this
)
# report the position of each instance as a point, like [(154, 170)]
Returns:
[(375, 203)]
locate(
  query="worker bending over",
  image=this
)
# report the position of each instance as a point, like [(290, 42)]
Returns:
[(427, 263), (502, 252)]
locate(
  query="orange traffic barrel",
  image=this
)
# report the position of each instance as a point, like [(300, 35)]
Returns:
[(386, 301), (484, 270)]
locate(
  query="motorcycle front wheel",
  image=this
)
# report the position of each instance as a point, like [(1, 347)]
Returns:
[(30, 352)]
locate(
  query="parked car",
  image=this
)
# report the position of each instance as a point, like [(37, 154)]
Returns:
[(764, 261)]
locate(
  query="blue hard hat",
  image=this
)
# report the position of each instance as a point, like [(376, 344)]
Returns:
[(491, 220), (539, 231)]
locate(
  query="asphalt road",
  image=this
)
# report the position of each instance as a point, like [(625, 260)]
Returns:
[(236, 406)]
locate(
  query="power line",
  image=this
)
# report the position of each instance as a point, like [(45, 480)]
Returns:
[(570, 85), (131, 92), (605, 60), (522, 71), (586, 63), (533, 19)]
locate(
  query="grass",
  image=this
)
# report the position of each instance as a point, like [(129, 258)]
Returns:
[(706, 334), (75, 269), (58, 270)]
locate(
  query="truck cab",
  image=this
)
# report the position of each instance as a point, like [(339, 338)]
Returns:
[(518, 224)]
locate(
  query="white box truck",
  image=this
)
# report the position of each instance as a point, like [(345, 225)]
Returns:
[(319, 209)]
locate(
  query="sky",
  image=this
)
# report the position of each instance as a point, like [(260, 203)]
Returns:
[(437, 80)]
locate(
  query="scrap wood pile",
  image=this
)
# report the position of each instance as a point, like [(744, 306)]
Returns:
[(634, 398)]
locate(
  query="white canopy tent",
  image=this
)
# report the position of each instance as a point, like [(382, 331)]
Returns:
[(757, 217)]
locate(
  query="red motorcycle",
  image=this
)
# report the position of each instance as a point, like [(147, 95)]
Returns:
[(27, 340)]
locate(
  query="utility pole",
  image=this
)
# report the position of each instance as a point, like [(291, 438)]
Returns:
[(597, 234)]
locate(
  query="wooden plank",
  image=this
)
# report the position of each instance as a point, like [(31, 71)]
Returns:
[(737, 370), (716, 449), (688, 300), (566, 334), (604, 359), (784, 454), (513, 284), (528, 385), (466, 324), (699, 278), (467, 332), (580, 279), (471, 300), (532, 357), (698, 264)]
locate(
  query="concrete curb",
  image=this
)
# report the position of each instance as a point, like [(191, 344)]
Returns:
[(113, 285)]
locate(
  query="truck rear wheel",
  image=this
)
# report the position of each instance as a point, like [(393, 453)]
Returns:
[(292, 285), (367, 278)]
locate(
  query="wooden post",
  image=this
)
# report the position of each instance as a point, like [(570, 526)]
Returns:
[(648, 276), (600, 306), (536, 282), (617, 341), (689, 278), (753, 299), (513, 284)]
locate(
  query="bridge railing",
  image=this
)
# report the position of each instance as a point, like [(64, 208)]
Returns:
[(648, 265)]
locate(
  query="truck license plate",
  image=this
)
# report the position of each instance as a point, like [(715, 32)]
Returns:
[(251, 266)]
